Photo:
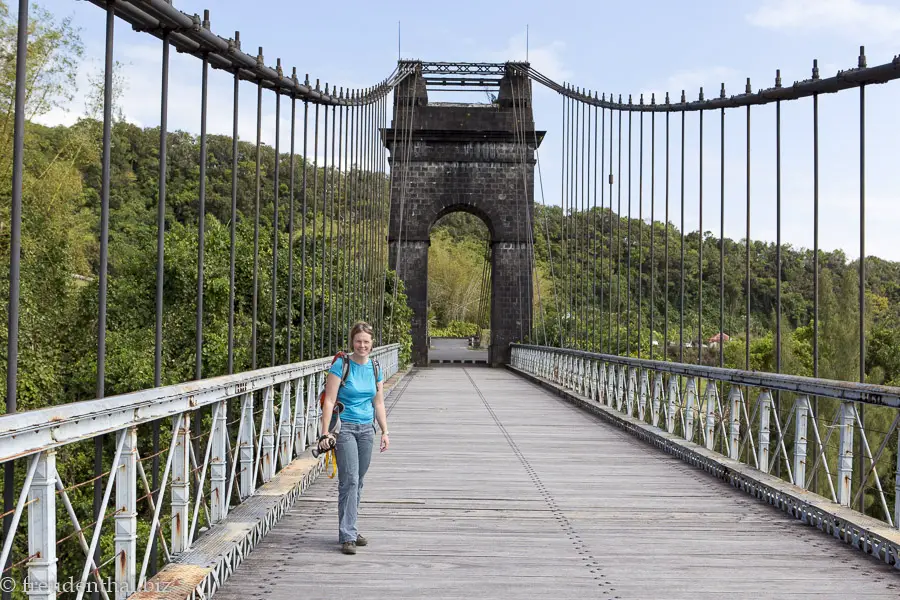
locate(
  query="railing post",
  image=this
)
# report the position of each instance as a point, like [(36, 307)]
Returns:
[(217, 466), (800, 434), (579, 374), (734, 446), (643, 394), (621, 378), (267, 458), (312, 410), (181, 488), (765, 406), (299, 435), (601, 383), (673, 403), (285, 426), (245, 443), (42, 529), (657, 399), (126, 515), (711, 399), (845, 453), (690, 394)]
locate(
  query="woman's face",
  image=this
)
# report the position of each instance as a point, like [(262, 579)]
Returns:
[(362, 344)]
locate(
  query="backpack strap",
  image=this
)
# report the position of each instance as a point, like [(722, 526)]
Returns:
[(376, 369), (345, 369)]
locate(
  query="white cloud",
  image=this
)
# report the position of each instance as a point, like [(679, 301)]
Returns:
[(847, 17)]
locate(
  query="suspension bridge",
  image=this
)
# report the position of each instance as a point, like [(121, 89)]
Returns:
[(582, 458)]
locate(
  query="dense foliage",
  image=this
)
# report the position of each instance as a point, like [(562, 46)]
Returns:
[(61, 257)]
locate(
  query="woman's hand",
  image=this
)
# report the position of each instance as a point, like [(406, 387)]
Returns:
[(385, 442), (326, 442)]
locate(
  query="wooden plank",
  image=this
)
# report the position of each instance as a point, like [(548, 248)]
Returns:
[(513, 492)]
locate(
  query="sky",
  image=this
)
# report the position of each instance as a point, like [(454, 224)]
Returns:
[(613, 47)]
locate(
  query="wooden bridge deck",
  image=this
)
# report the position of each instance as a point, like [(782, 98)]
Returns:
[(493, 488)]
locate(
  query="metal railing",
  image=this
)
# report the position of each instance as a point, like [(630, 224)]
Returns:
[(335, 188), (733, 413), (206, 472)]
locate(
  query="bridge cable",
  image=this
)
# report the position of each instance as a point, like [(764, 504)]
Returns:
[(681, 303), (357, 212), (275, 197), (404, 183), (529, 208), (519, 125), (652, 222), (567, 167), (328, 196), (640, 228), (577, 189), (393, 163), (586, 300), (518, 250), (547, 235), (700, 254), (322, 342), (563, 193), (370, 209), (347, 218), (609, 254), (290, 291), (303, 219), (666, 259), (385, 223), (595, 231), (160, 257), (253, 322), (312, 292), (361, 210), (337, 314), (335, 342), (619, 243), (629, 242)]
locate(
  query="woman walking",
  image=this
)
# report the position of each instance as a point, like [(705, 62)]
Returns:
[(363, 400)]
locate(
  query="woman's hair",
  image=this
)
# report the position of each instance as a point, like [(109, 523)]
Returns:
[(361, 327)]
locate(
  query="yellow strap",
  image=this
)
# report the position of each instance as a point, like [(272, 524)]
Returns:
[(330, 458)]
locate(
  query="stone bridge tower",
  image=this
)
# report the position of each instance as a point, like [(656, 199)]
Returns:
[(475, 158)]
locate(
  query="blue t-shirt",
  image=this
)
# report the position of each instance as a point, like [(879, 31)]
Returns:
[(358, 390)]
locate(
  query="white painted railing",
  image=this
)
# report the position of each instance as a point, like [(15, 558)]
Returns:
[(226, 464), (759, 419)]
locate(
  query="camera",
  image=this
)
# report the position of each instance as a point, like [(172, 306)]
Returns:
[(334, 428), (315, 450)]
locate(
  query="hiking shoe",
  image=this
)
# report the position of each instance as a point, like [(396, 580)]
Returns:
[(348, 547), (361, 541)]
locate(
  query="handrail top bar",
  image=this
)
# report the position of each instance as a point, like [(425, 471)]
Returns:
[(867, 393), (187, 33), (24, 433), (843, 80)]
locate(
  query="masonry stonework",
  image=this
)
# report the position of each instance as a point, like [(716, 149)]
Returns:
[(475, 158)]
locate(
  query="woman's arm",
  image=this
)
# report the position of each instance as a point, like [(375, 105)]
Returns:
[(380, 414), (332, 385)]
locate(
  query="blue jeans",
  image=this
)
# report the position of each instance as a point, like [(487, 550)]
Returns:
[(353, 453)]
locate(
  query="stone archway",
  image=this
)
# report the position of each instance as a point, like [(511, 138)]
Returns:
[(449, 157)]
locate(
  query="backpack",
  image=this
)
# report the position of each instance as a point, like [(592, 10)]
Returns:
[(335, 426), (345, 372)]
